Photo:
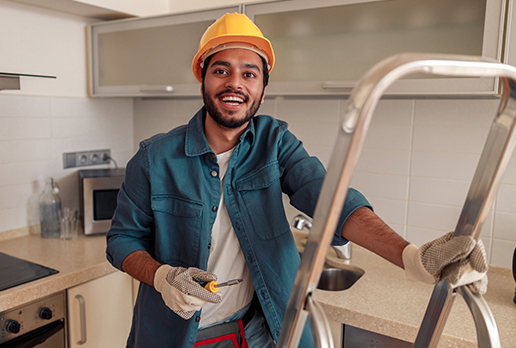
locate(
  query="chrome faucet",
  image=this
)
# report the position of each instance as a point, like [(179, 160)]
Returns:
[(343, 251), (300, 221)]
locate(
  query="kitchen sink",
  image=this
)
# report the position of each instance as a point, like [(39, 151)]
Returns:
[(338, 279)]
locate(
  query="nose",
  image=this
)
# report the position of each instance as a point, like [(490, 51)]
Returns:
[(234, 82)]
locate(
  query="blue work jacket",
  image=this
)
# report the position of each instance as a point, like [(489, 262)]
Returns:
[(168, 203)]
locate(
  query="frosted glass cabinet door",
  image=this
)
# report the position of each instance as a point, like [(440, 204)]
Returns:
[(324, 47), (148, 56), (100, 312)]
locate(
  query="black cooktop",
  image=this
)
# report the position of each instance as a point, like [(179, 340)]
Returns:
[(15, 271)]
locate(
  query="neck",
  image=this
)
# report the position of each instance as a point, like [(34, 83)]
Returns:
[(220, 138)]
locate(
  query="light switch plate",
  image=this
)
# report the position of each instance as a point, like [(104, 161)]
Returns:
[(86, 158)]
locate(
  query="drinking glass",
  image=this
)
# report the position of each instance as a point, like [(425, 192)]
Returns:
[(69, 223)]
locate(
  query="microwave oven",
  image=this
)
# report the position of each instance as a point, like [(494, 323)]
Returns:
[(98, 198)]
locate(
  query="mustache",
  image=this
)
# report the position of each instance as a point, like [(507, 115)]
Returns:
[(228, 91)]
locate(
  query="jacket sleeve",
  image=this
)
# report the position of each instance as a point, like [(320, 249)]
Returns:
[(302, 182), (132, 223)]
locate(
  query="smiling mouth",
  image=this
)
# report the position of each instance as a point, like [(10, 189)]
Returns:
[(233, 100)]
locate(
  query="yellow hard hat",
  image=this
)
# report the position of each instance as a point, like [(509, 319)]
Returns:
[(232, 30)]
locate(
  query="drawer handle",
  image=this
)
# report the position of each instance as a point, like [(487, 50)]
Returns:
[(158, 89), (338, 85), (82, 307)]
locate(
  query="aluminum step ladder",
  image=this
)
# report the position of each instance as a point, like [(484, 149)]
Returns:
[(354, 125)]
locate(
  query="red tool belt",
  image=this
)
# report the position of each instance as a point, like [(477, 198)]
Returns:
[(227, 335)]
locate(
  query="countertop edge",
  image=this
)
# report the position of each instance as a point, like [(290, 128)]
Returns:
[(385, 302), (32, 291), (388, 327), (78, 261)]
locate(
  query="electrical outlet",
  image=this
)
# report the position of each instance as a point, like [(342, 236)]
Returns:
[(86, 158)]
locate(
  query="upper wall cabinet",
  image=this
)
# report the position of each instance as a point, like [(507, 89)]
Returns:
[(148, 56), (324, 47)]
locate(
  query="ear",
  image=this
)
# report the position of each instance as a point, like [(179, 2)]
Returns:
[(263, 95)]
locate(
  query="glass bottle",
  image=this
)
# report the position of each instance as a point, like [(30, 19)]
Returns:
[(50, 210)]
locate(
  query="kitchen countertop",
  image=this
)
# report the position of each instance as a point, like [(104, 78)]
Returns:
[(381, 301), (77, 261), (385, 302)]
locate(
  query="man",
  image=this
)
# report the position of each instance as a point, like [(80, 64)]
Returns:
[(204, 202)]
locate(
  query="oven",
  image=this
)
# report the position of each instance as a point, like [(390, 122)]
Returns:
[(38, 324)]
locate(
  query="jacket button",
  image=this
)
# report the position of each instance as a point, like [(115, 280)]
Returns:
[(213, 157), (214, 173), (215, 208), (197, 319), (209, 246)]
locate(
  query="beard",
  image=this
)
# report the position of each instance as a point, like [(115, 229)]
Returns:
[(216, 115)]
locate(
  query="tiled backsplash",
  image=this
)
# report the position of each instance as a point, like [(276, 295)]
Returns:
[(415, 168), (416, 165), (34, 133)]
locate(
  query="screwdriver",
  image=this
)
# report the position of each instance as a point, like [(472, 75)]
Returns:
[(213, 286)]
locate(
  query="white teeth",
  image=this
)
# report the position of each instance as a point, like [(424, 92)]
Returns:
[(233, 99)]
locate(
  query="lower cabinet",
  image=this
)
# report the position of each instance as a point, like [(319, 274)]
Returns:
[(100, 312), (359, 338)]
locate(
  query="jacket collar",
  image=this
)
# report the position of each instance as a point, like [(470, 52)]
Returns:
[(196, 143)]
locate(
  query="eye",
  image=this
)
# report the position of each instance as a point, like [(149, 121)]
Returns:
[(220, 71), (249, 75)]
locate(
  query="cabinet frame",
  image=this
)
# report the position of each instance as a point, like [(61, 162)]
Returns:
[(510, 35), (141, 90), (493, 45), (412, 87)]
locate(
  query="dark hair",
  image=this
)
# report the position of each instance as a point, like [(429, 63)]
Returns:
[(265, 69)]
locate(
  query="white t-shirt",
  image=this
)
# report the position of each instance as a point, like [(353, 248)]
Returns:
[(226, 261)]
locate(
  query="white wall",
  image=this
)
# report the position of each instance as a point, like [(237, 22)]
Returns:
[(137, 7), (48, 117), (416, 165), (193, 5), (44, 42)]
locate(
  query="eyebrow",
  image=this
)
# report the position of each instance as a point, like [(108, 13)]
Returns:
[(244, 65)]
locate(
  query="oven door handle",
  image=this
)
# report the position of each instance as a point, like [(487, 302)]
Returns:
[(82, 308)]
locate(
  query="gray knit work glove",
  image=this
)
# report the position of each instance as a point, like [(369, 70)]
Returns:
[(181, 291), (460, 259)]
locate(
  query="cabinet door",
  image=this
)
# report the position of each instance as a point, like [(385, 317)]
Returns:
[(100, 312), (148, 56), (324, 47)]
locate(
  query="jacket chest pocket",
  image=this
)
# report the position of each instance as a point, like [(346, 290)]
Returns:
[(178, 223), (262, 195)]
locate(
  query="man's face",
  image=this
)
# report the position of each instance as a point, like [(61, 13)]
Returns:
[(233, 88)]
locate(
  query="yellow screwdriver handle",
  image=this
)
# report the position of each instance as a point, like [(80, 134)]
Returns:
[(212, 286)]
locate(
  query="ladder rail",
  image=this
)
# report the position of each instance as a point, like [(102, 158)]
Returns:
[(354, 126), (487, 331), (493, 162)]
